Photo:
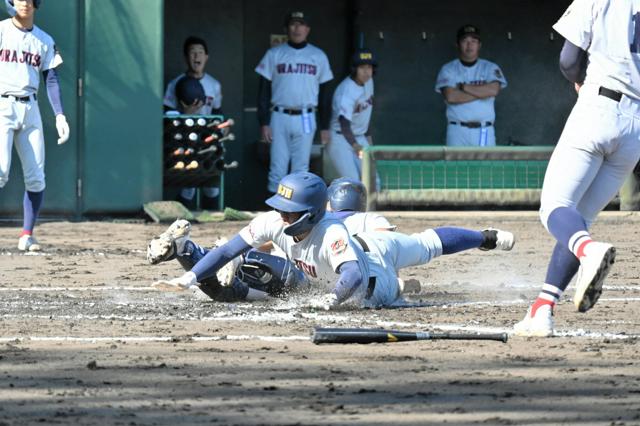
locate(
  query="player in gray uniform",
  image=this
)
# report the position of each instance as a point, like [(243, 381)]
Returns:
[(293, 79), (196, 56), (360, 270), (351, 113), (25, 52), (598, 148), (469, 86)]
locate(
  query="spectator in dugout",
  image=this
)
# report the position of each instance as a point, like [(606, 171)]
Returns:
[(196, 55)]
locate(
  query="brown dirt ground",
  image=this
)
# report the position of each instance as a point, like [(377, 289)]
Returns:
[(69, 320)]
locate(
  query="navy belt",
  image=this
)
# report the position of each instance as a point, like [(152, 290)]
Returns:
[(21, 98), (472, 124), (372, 280), (292, 111), (611, 94)]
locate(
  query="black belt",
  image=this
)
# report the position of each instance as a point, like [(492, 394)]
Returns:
[(611, 94), (372, 280), (339, 132), (472, 124), (292, 111), (21, 98)]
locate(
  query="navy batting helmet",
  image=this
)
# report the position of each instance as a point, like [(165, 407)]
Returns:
[(347, 194), (189, 90), (363, 57), (301, 192), (12, 10)]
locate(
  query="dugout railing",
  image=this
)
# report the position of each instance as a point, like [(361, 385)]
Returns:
[(439, 176)]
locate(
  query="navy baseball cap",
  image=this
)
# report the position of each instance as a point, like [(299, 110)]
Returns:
[(468, 30), (296, 16)]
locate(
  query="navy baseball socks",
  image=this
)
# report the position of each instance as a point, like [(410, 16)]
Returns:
[(31, 204), (455, 239), (596, 258)]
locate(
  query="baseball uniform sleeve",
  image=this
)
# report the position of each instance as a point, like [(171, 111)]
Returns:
[(336, 246), (497, 75), (576, 23), (261, 229), (445, 79), (324, 69), (265, 67), (346, 103), (217, 97), (52, 57), (170, 95)]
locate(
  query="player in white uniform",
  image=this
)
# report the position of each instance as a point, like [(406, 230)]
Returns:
[(469, 86), (25, 52), (196, 55), (292, 85), (597, 150), (351, 113), (362, 270)]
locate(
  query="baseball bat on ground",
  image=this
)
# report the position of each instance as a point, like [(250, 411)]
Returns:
[(376, 335)]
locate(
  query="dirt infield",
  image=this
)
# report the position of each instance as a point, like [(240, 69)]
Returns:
[(85, 340)]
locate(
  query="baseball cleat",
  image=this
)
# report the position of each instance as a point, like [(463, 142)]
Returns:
[(170, 243), (28, 243), (497, 239), (541, 325), (227, 272), (594, 268)]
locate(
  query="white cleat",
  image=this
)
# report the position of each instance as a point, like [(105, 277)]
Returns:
[(185, 282), (227, 273), (169, 243), (28, 243), (539, 326), (594, 268), (504, 240)]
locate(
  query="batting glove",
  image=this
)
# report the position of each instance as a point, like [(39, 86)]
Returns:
[(182, 283), (63, 128)]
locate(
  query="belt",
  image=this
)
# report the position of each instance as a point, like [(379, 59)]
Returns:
[(292, 111), (611, 94), (472, 124), (372, 280), (339, 132), (21, 98)]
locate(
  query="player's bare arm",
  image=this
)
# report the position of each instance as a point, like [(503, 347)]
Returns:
[(454, 96), (482, 91)]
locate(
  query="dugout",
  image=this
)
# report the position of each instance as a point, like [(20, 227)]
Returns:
[(120, 54)]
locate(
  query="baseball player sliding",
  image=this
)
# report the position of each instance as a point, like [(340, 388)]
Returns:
[(25, 51), (597, 150), (361, 269)]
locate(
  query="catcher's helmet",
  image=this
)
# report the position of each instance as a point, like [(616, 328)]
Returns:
[(189, 89), (12, 10), (301, 192), (363, 57), (346, 194)]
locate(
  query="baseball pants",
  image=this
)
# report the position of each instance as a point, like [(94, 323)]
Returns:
[(391, 251), (344, 158), (20, 124), (598, 149), (458, 135), (291, 142)]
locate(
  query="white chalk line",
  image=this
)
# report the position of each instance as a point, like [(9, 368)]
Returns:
[(149, 288), (345, 320), (133, 339)]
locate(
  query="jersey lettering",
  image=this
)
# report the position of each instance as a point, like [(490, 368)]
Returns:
[(296, 69), (33, 59), (363, 106), (307, 269)]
